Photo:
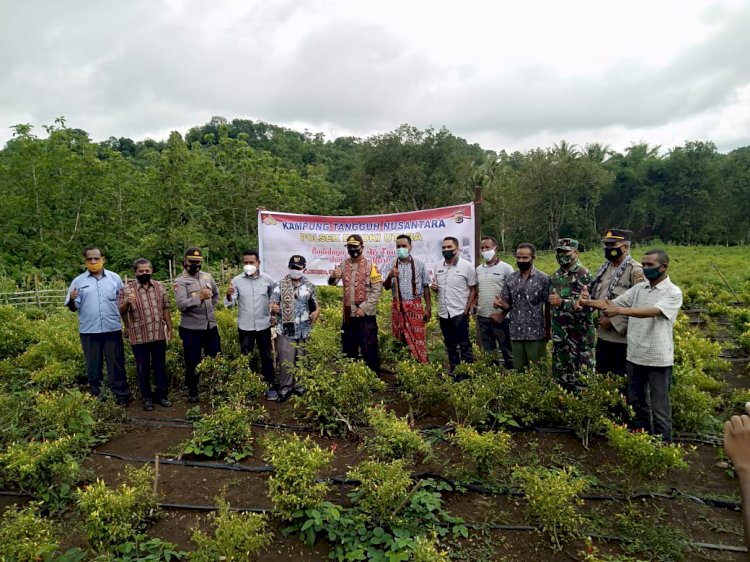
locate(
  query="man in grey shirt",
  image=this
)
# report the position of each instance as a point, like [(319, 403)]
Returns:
[(252, 290), (456, 286), (494, 326), (196, 295)]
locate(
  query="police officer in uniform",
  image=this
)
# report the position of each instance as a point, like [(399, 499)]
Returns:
[(616, 275)]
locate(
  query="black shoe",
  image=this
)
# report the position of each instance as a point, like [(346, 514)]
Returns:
[(299, 390), (193, 399), (164, 402), (123, 401), (148, 406), (284, 394)]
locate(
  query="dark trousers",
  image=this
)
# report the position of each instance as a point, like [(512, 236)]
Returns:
[(648, 394), (261, 338), (195, 342), (456, 337), (495, 336), (148, 355), (360, 335), (611, 357), (98, 349)]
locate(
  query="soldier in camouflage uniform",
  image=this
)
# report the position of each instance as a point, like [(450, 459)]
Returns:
[(573, 328)]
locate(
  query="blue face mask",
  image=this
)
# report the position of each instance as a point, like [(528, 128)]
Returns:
[(402, 253), (652, 273)]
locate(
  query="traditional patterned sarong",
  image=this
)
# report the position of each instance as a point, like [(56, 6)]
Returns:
[(407, 321)]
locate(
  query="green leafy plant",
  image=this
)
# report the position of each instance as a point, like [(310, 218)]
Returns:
[(230, 380), (26, 536), (587, 410), (112, 517), (237, 537), (382, 489), (693, 410), (647, 533), (528, 397), (225, 433), (392, 437), (338, 399), (552, 498), (293, 486), (141, 548), (421, 385), (474, 396), (487, 451)]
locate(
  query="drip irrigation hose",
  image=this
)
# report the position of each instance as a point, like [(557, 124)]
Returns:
[(194, 464)]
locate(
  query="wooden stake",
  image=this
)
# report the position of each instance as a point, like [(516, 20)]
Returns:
[(156, 474)]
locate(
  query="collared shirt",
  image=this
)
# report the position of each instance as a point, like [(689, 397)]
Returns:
[(651, 340), (253, 294), (527, 297), (404, 279), (633, 274), (196, 314), (304, 295), (97, 302), (373, 290), (145, 319), (454, 285), (490, 283)]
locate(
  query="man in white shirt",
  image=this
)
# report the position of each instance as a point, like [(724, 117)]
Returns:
[(651, 307), (456, 286), (494, 326)]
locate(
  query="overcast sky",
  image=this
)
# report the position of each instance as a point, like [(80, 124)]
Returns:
[(506, 74)]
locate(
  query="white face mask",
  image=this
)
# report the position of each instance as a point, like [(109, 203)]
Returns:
[(488, 254), (250, 269), (295, 273)]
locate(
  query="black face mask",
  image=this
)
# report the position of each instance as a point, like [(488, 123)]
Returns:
[(448, 254), (193, 268), (354, 252), (143, 278), (524, 265), (612, 254)]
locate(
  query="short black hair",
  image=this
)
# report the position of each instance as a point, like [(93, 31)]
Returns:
[(662, 255), (494, 240), (452, 239), (141, 261), (529, 246), (89, 248), (251, 252), (404, 236)]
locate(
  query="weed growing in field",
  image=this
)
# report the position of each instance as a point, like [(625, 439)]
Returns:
[(338, 400), (237, 537), (646, 533), (112, 517), (552, 497), (293, 486), (422, 385), (225, 433), (392, 437), (487, 451)]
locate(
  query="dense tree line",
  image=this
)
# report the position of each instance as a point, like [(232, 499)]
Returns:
[(61, 191)]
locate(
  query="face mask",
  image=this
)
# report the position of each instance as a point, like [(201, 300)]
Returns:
[(565, 259), (95, 267), (488, 255), (354, 252), (193, 268), (652, 273), (250, 270), (448, 254), (402, 253), (524, 265), (143, 278), (295, 273), (612, 254)]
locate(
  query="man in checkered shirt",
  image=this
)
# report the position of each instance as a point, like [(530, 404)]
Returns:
[(652, 308)]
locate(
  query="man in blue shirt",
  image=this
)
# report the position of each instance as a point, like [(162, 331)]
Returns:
[(93, 295)]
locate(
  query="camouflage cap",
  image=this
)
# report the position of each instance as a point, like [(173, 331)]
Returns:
[(567, 244)]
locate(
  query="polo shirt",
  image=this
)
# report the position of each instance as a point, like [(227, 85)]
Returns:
[(97, 302), (253, 295), (490, 283), (651, 340), (454, 283)]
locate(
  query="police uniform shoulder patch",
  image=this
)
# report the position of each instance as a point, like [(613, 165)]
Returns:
[(375, 276)]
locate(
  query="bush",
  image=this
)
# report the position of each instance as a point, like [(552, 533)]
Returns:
[(421, 385), (56, 374), (226, 322), (297, 463), (487, 451), (64, 413), (552, 497), (393, 438), (16, 332), (230, 380), (695, 352), (226, 433), (645, 455), (26, 536), (383, 488), (693, 410), (338, 400), (474, 396), (586, 411), (237, 537), (528, 397), (426, 550), (111, 517), (324, 346)]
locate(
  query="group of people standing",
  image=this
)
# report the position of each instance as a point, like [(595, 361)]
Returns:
[(517, 312)]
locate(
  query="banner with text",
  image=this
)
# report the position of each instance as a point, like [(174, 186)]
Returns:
[(321, 240)]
